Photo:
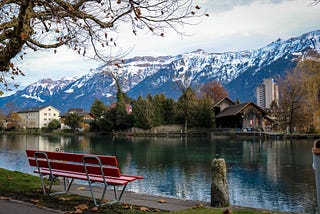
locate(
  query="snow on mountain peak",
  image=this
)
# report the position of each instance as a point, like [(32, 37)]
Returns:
[(145, 74)]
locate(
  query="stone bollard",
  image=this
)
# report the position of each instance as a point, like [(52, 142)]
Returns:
[(219, 187)]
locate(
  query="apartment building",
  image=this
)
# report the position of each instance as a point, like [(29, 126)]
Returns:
[(38, 117), (267, 92)]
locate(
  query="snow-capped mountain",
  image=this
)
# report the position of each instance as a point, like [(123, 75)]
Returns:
[(240, 72)]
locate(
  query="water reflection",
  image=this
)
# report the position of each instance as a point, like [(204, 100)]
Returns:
[(265, 174)]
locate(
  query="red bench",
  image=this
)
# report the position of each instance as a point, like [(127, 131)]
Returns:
[(93, 168)]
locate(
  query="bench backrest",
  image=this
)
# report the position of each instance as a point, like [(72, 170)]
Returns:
[(74, 162)]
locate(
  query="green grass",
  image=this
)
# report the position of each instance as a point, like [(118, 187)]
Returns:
[(17, 182), (235, 210)]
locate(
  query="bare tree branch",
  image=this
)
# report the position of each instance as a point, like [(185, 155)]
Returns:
[(82, 24)]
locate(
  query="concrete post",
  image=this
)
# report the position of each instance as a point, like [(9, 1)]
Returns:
[(219, 187)]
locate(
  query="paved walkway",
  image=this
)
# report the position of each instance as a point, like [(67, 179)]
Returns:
[(19, 207), (157, 202), (171, 204)]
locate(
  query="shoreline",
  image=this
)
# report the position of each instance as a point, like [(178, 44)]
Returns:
[(192, 134)]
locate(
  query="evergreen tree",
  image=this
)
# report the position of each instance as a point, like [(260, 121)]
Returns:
[(186, 105), (158, 103), (169, 111), (97, 108), (204, 115), (139, 112), (122, 119)]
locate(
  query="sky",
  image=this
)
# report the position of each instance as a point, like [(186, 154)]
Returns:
[(232, 25)]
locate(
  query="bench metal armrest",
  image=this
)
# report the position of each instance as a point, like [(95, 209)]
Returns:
[(37, 155), (86, 164)]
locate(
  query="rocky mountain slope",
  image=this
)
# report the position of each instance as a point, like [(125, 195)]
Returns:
[(240, 73)]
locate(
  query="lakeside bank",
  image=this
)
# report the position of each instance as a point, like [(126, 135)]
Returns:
[(24, 187)]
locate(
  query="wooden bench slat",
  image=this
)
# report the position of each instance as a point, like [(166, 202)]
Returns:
[(73, 157), (73, 167), (81, 176)]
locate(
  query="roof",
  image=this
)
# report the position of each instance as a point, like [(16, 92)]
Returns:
[(81, 114), (222, 100), (235, 109), (35, 109)]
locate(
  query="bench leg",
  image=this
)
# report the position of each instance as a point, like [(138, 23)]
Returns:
[(67, 186), (118, 198), (43, 185), (93, 196)]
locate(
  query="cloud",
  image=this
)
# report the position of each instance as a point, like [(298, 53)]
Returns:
[(233, 25), (46, 64)]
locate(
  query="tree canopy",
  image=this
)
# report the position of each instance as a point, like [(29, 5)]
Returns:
[(86, 26)]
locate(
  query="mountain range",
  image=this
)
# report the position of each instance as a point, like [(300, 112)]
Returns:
[(239, 72)]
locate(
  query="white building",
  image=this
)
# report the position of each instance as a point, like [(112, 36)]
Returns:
[(267, 92), (38, 117)]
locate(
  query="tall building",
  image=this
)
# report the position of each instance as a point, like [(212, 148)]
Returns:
[(267, 92)]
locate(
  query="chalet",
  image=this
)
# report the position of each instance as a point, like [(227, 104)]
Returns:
[(86, 117), (244, 116), (38, 117)]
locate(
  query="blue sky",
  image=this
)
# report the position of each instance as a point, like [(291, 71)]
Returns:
[(233, 25)]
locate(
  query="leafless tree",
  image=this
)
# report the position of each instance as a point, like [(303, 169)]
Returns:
[(82, 25), (213, 90)]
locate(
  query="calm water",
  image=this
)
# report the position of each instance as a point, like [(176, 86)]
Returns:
[(269, 174)]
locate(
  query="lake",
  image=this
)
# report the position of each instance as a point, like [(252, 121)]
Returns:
[(270, 174)]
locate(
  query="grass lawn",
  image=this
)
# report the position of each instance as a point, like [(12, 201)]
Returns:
[(25, 187)]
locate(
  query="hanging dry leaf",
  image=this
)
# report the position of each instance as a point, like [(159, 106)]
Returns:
[(138, 12), (23, 36)]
